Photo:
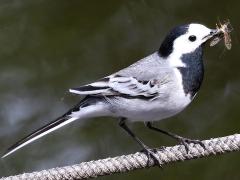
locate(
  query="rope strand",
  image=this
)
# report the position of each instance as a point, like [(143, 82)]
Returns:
[(138, 160)]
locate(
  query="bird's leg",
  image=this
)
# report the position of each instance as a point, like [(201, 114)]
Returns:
[(146, 149), (184, 141)]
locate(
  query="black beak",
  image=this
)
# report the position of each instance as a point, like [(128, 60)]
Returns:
[(213, 33)]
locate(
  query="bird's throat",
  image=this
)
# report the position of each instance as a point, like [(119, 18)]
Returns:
[(192, 74)]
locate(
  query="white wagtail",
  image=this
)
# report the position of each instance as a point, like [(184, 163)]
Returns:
[(154, 88)]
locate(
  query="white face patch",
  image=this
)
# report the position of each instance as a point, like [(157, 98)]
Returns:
[(190, 41)]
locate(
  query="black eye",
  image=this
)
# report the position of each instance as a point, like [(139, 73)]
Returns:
[(192, 38)]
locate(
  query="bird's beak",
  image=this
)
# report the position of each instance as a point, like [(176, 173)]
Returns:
[(213, 33)]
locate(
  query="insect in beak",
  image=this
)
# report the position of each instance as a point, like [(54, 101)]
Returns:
[(223, 32)]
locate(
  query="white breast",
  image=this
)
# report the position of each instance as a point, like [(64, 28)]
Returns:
[(170, 101), (166, 105)]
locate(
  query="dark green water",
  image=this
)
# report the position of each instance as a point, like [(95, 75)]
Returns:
[(47, 47)]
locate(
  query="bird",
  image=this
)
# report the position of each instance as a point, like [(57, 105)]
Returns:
[(154, 88)]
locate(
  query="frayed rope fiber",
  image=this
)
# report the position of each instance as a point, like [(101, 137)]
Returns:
[(139, 160)]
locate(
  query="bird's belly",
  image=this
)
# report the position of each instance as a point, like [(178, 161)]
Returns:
[(147, 110)]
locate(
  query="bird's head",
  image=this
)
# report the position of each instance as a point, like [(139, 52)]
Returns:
[(185, 39)]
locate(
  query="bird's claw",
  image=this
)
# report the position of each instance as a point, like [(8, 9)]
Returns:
[(151, 154), (186, 142)]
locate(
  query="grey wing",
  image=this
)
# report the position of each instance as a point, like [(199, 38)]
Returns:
[(143, 78)]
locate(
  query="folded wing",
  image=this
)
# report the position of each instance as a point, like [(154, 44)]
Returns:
[(143, 78), (119, 85)]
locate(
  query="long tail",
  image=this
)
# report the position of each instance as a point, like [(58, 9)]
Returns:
[(88, 107)]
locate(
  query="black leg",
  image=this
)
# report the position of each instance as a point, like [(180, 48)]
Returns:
[(122, 124), (182, 140)]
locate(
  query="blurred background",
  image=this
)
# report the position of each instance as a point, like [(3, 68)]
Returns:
[(47, 47)]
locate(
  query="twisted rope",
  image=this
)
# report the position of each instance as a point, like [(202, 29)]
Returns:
[(135, 161)]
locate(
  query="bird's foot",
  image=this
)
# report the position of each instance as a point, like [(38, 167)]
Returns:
[(186, 142), (151, 153)]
